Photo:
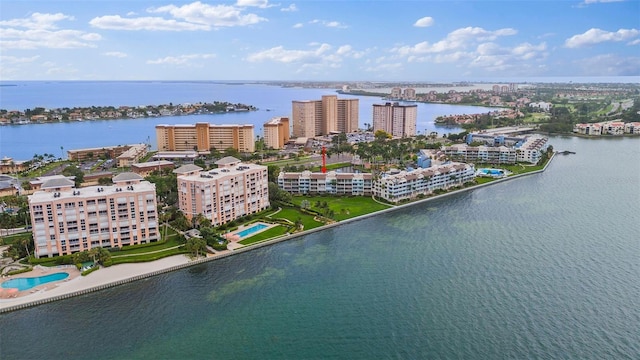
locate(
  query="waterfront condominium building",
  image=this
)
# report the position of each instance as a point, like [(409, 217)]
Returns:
[(395, 119), (484, 154), (331, 182), (398, 185), (224, 194), (203, 137), (313, 118), (66, 220), (531, 150), (276, 132)]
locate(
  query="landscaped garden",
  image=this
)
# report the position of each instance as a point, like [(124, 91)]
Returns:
[(339, 207)]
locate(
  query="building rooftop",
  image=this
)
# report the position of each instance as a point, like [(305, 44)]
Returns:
[(227, 160), (184, 169), (91, 192), (127, 176)]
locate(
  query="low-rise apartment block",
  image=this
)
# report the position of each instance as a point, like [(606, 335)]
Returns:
[(531, 150), (109, 152), (395, 185), (224, 194), (146, 168), (607, 128), (331, 182), (484, 154), (134, 154), (66, 219)]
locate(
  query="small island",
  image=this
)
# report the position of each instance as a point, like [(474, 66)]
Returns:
[(40, 115)]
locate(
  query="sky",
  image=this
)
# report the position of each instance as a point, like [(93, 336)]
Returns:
[(305, 40)]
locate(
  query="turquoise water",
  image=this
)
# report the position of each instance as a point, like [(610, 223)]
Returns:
[(31, 282), (248, 231), (540, 267), (492, 171)]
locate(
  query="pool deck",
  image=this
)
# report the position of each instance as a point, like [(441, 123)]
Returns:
[(75, 282), (10, 293)]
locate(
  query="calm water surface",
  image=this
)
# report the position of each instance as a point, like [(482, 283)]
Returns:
[(21, 142), (542, 267)]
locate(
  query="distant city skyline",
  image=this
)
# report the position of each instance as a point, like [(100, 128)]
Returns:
[(318, 40)]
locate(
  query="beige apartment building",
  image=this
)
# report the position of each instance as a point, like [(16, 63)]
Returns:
[(395, 119), (276, 132), (224, 194), (66, 220), (313, 118), (203, 137)]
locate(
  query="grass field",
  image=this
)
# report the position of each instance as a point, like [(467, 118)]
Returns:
[(343, 207), (293, 214), (12, 239), (267, 234)]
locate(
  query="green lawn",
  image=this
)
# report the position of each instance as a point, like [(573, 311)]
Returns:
[(267, 234), (12, 239), (157, 246), (148, 257), (344, 207), (292, 214)]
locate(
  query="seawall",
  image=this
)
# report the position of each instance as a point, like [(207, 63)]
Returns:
[(257, 245)]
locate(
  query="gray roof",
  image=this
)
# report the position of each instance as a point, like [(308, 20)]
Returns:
[(227, 160), (126, 176), (57, 183), (187, 169)]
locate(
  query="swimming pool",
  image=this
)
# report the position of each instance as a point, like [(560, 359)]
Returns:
[(27, 283), (248, 231), (491, 172)]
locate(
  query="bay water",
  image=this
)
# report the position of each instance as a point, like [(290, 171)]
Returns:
[(22, 142), (542, 267)]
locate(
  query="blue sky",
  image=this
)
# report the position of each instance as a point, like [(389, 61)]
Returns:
[(317, 40)]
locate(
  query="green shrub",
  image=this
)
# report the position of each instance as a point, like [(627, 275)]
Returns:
[(107, 262), (19, 271), (89, 271), (79, 266)]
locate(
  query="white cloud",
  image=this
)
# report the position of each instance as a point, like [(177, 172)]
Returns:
[(115, 22), (634, 42), (280, 54), (117, 54), (424, 22), (37, 39), (595, 36), (37, 21), (213, 15), (180, 60), (291, 8), (189, 17), (457, 39), (263, 4), (609, 65), (41, 31), (17, 60), (333, 24), (298, 26)]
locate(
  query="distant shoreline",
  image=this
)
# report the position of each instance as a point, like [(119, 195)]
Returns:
[(126, 273)]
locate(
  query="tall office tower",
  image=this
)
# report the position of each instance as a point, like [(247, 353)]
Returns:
[(224, 194), (395, 119), (66, 219), (322, 117), (202, 137), (276, 132)]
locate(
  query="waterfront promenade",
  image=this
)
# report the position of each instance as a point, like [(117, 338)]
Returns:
[(125, 273)]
